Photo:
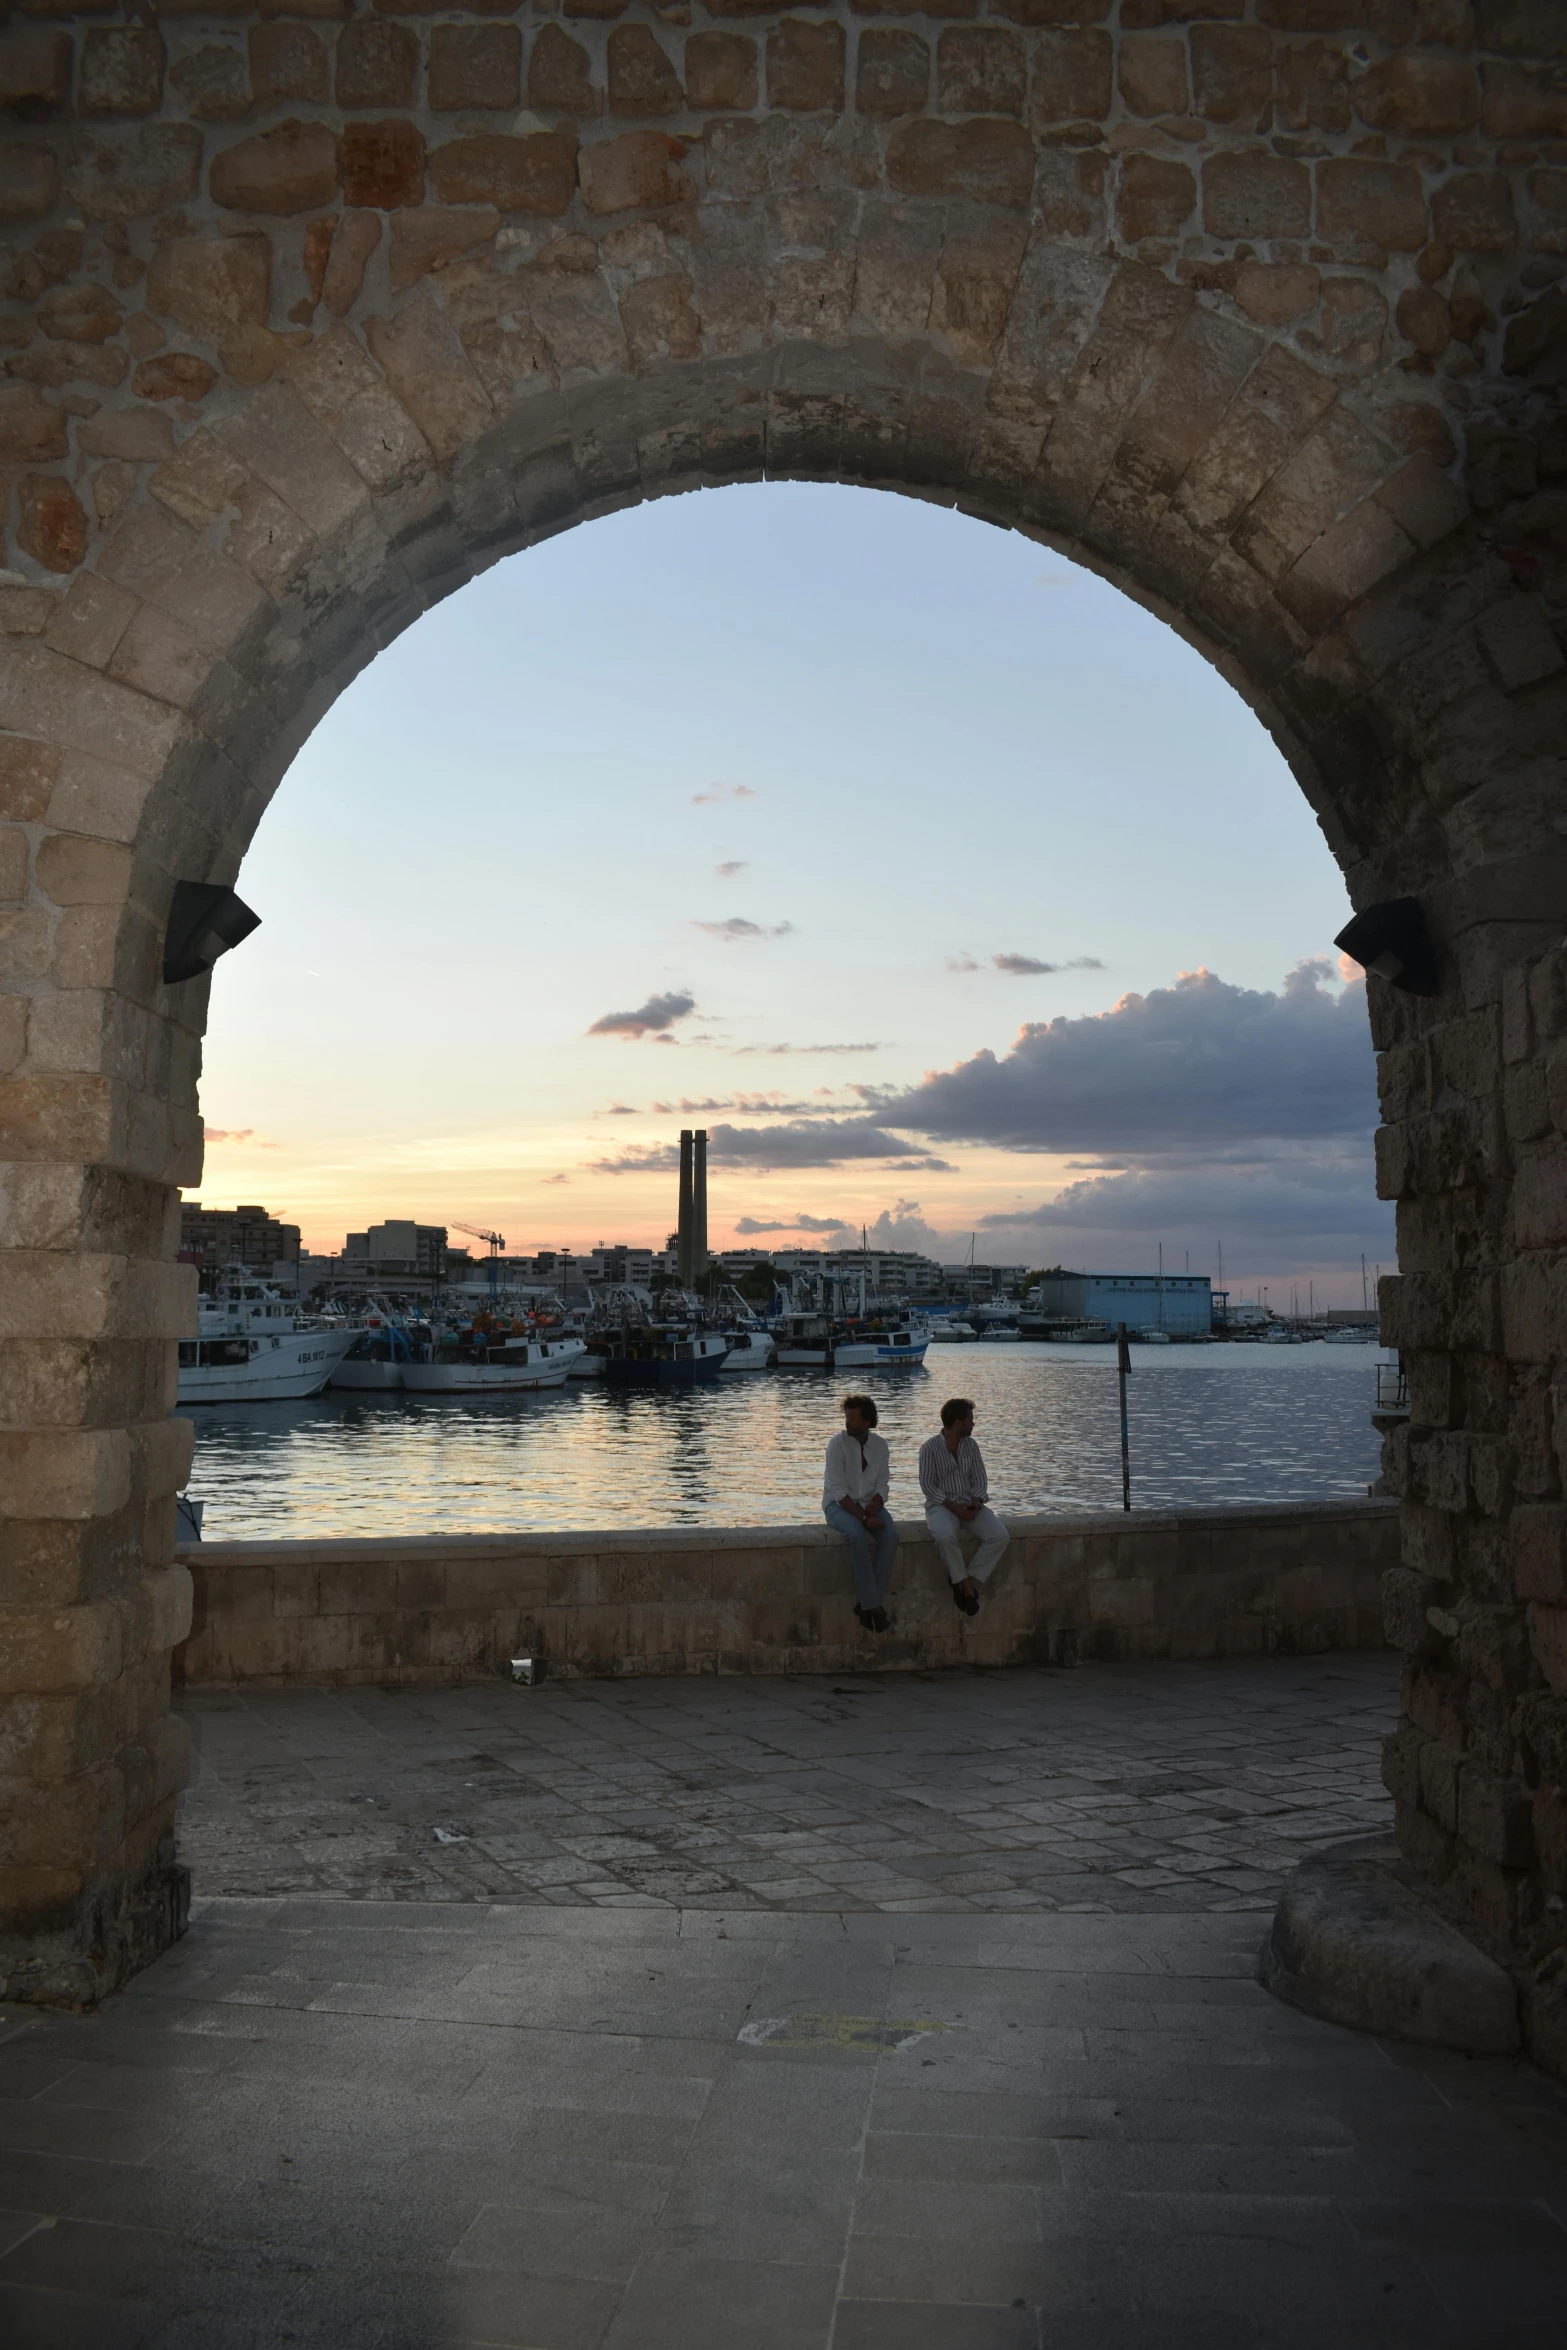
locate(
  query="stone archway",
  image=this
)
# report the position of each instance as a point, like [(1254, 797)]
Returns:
[(314, 310)]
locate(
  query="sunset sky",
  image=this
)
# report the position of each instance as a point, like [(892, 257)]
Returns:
[(950, 891)]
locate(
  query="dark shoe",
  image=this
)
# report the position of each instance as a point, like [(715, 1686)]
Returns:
[(865, 1617), (878, 1620), (968, 1601)]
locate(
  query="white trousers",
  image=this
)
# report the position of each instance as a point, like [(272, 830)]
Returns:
[(945, 1530)]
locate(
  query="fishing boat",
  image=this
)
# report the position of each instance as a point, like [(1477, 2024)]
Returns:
[(491, 1362), (750, 1348), (660, 1354), (374, 1364), (253, 1345), (950, 1333), (750, 1340), (827, 1342)]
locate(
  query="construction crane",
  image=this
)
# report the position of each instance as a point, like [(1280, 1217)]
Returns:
[(496, 1242)]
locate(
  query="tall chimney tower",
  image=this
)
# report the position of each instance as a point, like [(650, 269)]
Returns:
[(699, 1203), (684, 1231)]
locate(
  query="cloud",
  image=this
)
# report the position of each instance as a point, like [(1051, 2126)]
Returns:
[(750, 1105), (1194, 1066), (722, 791), (872, 1047), (735, 865), (229, 1133), (557, 1178), (654, 1018), (737, 928), (750, 1225), (824, 1142), (617, 1110), (1292, 1209), (1024, 966)]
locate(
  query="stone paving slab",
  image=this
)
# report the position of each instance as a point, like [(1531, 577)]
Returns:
[(426, 2126), (1177, 1787)]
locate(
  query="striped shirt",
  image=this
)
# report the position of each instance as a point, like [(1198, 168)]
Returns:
[(947, 1478)]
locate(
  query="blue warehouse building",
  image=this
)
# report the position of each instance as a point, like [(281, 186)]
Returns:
[(1179, 1303)]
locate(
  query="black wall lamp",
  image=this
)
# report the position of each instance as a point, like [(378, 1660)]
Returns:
[(205, 920), (1392, 940)]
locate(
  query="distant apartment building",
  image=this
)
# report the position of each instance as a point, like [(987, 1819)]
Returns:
[(890, 1272), (398, 1250), (214, 1237), (977, 1282), (1181, 1303)]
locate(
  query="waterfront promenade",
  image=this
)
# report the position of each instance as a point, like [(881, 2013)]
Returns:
[(748, 2014)]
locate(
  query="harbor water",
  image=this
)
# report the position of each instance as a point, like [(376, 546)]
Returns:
[(1210, 1425)]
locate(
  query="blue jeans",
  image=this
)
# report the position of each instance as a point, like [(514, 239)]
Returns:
[(872, 1569)]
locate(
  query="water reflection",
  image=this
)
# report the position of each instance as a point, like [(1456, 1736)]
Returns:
[(1209, 1425)]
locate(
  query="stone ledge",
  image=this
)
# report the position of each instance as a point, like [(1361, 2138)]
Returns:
[(597, 1541), (778, 1599), (1355, 1940)]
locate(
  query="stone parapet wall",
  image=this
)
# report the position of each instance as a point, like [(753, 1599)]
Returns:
[(1192, 1583)]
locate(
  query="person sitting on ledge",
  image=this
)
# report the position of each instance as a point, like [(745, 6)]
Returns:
[(953, 1481), (854, 1502)]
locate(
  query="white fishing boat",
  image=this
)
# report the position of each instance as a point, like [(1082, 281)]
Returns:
[(948, 1333), (897, 1339), (820, 1342), (498, 1365), (750, 1349), (375, 1363), (253, 1345)]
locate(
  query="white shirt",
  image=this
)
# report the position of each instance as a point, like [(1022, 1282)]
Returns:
[(946, 1476), (850, 1475)]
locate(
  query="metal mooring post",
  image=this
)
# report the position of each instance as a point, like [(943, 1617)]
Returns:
[(1123, 1365)]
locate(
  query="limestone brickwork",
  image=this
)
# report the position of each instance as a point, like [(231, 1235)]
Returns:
[(778, 1599), (314, 309)]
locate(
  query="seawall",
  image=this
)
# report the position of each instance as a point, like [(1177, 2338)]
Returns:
[(778, 1599)]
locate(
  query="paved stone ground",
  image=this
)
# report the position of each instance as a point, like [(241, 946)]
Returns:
[(441, 2121), (1129, 1787)]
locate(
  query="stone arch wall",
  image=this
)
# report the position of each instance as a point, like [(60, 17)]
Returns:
[(314, 309)]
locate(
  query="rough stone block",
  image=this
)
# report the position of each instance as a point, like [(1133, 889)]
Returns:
[(213, 84), (642, 79), (426, 237), (1419, 94), (290, 169), (1521, 647), (29, 180), (1151, 73), (288, 63), (805, 66), (531, 175), (989, 161), (1363, 204), (560, 73), (1473, 212), (1232, 73), (639, 171), (122, 70), (721, 72), (892, 73), (1156, 198), (1251, 193), (35, 68), (429, 371), (1072, 77), (382, 164), (980, 69), (475, 65), (377, 63)]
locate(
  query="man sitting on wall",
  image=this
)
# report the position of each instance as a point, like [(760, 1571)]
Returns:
[(854, 1501), (953, 1481)]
